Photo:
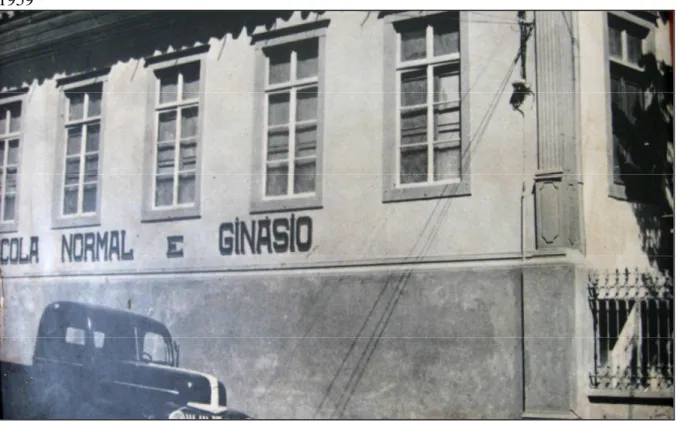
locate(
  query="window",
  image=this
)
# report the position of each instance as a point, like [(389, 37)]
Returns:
[(157, 349), (176, 151), (77, 188), (10, 129), (287, 171), (633, 332), (173, 154), (427, 148), (626, 85), (83, 133), (291, 129), (75, 336)]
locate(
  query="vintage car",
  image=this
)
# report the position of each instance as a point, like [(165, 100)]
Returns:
[(96, 362)]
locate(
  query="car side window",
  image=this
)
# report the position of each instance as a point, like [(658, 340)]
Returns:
[(75, 336), (155, 348), (99, 339), (75, 340)]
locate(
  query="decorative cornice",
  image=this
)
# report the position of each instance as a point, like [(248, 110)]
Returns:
[(149, 61), (301, 27), (13, 93), (82, 76)]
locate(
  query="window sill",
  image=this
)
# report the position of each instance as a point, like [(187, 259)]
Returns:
[(285, 205), (156, 216), (629, 394), (617, 191), (76, 222), (9, 227), (415, 193)]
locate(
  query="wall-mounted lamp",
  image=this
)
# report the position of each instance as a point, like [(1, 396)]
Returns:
[(521, 90)]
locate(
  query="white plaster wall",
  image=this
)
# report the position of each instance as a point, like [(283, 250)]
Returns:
[(613, 235), (354, 223)]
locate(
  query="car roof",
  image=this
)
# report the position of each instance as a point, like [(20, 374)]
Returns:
[(103, 313)]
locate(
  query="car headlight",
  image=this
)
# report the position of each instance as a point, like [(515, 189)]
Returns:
[(177, 414)]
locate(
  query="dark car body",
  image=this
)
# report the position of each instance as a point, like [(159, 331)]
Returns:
[(98, 362)]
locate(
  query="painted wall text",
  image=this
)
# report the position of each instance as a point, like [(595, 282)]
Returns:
[(95, 247), (279, 235), (15, 251)]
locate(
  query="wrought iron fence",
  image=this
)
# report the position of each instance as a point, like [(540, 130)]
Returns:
[(633, 330)]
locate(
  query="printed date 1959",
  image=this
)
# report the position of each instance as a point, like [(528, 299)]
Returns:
[(16, 2)]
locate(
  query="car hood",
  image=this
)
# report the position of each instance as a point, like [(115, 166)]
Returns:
[(195, 389)]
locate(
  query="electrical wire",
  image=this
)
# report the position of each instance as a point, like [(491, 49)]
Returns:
[(373, 342)]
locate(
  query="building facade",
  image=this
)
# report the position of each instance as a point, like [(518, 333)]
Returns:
[(352, 214)]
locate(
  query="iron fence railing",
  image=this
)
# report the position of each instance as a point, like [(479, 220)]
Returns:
[(633, 330)]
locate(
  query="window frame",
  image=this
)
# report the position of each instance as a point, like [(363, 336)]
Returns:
[(393, 190), (616, 188), (265, 42), (17, 96), (154, 65), (66, 86)]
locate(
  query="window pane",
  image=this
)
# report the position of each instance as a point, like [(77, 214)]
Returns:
[(3, 120), (280, 67), (164, 190), (304, 176), (154, 346), (76, 106), (278, 144), (186, 188), (2, 154), (413, 164), (10, 182), (633, 99), (307, 59), (191, 81), (75, 336), (15, 120), (307, 104), (74, 139), (94, 107), (70, 200), (168, 86), (619, 159), (99, 339), (413, 88), (93, 135), (413, 45), (10, 208), (13, 152), (165, 158), (276, 181), (167, 126), (72, 170), (414, 126), (634, 48), (306, 141), (615, 42), (92, 168), (188, 156), (446, 84), (89, 198), (278, 112), (189, 122), (446, 123), (616, 92), (446, 163), (446, 36)]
